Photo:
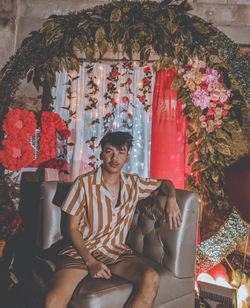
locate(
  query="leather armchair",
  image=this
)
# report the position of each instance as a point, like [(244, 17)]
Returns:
[(170, 252)]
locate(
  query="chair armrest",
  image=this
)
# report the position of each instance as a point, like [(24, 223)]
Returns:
[(174, 249)]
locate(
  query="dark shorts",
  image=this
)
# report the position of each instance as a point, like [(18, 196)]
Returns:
[(66, 262)]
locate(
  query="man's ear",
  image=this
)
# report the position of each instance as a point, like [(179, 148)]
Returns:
[(128, 158)]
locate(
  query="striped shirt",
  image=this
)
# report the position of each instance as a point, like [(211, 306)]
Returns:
[(103, 225)]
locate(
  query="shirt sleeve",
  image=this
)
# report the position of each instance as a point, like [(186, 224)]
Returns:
[(147, 186), (76, 199)]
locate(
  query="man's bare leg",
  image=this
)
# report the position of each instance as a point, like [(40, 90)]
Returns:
[(62, 286), (144, 277)]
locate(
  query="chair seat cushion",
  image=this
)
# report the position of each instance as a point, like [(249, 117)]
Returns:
[(115, 291)]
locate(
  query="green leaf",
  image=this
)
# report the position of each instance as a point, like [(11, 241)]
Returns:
[(89, 52), (223, 148), (100, 34), (177, 83), (103, 47), (191, 159), (115, 15), (192, 148), (215, 175), (198, 166)]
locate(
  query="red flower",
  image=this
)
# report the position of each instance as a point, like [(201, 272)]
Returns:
[(225, 113), (187, 67), (21, 123), (56, 164), (110, 84), (142, 99), (212, 110), (125, 99), (209, 116), (204, 85), (16, 222), (203, 70), (113, 101), (126, 64), (17, 154), (65, 133), (115, 73), (129, 81), (62, 164), (130, 115), (108, 115), (108, 132), (146, 69), (219, 104), (145, 81), (219, 126)]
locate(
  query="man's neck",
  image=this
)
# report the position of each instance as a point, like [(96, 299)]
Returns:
[(111, 178)]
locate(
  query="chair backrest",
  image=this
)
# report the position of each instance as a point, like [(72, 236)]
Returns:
[(148, 235)]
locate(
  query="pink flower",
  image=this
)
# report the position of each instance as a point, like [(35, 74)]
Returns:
[(212, 75), (200, 98)]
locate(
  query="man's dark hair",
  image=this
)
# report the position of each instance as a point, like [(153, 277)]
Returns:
[(118, 140)]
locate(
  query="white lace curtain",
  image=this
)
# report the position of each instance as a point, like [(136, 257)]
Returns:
[(82, 129)]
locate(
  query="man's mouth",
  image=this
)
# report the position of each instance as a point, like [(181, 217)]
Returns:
[(114, 165)]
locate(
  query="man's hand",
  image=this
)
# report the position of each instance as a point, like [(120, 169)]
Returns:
[(98, 270), (173, 213)]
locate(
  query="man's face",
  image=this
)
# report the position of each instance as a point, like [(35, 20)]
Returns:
[(114, 159)]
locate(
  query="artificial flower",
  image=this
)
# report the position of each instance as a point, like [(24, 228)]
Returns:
[(145, 81), (115, 73), (109, 85), (19, 123), (201, 98), (130, 115), (125, 99), (108, 115), (142, 99), (146, 69), (129, 81)]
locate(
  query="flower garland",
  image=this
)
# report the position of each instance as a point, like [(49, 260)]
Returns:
[(145, 88)]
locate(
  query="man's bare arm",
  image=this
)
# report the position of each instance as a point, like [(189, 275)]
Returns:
[(97, 269), (171, 209)]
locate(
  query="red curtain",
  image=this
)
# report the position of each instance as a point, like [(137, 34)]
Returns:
[(168, 153)]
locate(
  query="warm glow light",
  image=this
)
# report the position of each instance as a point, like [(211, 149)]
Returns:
[(243, 296), (222, 282), (140, 84), (204, 277)]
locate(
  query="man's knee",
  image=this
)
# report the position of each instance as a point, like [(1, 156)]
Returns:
[(54, 299), (151, 279)]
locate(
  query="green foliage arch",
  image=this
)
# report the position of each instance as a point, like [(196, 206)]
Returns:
[(138, 27)]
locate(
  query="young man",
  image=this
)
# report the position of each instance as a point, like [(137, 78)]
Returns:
[(101, 206)]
